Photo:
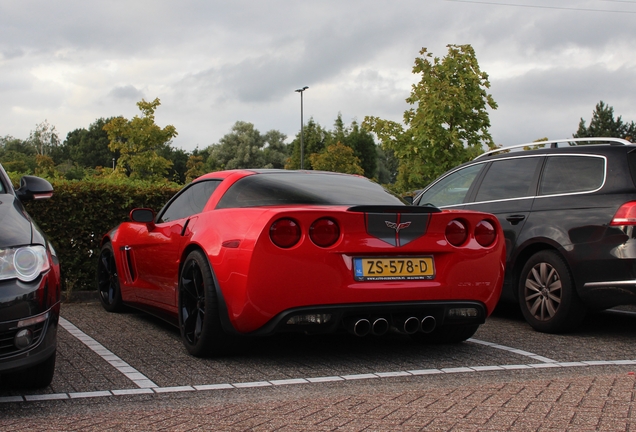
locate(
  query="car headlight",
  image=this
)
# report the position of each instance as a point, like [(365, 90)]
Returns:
[(24, 263)]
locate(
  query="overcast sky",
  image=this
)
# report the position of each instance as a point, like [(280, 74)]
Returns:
[(212, 63)]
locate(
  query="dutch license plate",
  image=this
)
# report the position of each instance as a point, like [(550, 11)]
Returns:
[(404, 268)]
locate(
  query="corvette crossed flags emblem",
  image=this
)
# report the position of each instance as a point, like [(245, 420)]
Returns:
[(397, 227), (392, 228)]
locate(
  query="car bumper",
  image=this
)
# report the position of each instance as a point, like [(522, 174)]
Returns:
[(397, 316), (40, 329), (29, 314)]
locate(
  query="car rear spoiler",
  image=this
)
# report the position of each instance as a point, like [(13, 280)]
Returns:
[(393, 209)]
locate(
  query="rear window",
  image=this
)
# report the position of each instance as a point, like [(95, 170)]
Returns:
[(507, 179), (305, 188), (570, 174)]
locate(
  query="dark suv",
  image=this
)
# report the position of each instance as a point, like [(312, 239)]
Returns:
[(568, 210)]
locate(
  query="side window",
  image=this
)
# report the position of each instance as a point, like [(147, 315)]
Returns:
[(190, 201), (453, 188), (508, 178), (569, 174)]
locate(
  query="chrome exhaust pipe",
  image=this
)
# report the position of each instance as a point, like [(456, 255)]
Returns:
[(411, 325), (428, 324), (380, 327), (358, 326)]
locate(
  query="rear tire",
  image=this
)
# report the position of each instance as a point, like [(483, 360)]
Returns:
[(199, 321), (447, 334), (108, 280), (37, 376), (547, 295)]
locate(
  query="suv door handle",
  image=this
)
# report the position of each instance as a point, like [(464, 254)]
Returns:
[(515, 219)]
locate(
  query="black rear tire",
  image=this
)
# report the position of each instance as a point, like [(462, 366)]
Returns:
[(547, 295), (108, 280), (199, 322)]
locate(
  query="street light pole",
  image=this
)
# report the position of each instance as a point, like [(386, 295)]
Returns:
[(302, 150)]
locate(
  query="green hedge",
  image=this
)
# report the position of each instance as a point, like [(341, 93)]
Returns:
[(81, 212)]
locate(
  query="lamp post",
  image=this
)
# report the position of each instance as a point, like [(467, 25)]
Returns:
[(302, 164)]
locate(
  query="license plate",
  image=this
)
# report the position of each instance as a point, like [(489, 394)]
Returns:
[(387, 269)]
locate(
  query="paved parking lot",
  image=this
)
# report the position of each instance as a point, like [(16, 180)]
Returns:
[(130, 372)]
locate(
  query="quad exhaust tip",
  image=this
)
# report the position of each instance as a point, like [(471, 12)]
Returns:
[(381, 326)]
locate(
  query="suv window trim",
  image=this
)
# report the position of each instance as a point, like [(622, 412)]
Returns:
[(580, 192), (536, 181)]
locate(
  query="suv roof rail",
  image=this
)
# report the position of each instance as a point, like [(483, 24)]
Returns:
[(555, 144)]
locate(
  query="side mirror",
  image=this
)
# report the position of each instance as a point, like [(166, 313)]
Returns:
[(143, 215), (34, 188), (408, 199)]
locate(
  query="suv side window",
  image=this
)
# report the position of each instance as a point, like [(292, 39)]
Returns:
[(452, 189), (508, 178), (190, 201), (569, 174)]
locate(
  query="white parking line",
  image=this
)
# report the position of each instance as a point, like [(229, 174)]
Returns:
[(536, 357), (315, 380), (130, 372), (154, 389)]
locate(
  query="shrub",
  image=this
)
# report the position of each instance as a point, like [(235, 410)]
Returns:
[(81, 212)]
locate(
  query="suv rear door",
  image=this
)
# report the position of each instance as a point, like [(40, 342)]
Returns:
[(507, 190)]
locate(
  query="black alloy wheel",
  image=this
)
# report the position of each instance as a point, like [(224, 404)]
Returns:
[(547, 296), (108, 280), (199, 322)]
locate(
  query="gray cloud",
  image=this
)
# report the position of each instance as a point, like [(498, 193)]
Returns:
[(127, 92), (212, 63)]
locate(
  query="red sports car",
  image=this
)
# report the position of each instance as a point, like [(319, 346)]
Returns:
[(256, 252)]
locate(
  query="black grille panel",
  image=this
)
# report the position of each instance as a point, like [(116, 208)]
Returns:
[(7, 347)]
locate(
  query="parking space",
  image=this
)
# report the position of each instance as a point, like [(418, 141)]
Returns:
[(102, 354), (129, 371)]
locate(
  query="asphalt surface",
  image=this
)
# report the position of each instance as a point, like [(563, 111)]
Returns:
[(130, 371)]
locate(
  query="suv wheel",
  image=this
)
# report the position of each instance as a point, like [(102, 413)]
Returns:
[(547, 296)]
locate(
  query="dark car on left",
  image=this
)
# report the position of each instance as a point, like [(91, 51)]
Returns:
[(29, 288)]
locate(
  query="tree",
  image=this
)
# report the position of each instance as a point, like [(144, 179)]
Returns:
[(44, 138), (246, 147), (276, 151), (89, 148), (241, 148), (337, 158), (315, 139), (17, 156), (139, 140), (194, 168), (448, 123), (603, 124)]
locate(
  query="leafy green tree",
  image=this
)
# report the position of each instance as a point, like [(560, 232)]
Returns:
[(241, 148), (44, 138), (276, 151), (139, 141), (603, 124), (246, 147), (388, 166), (179, 159), (17, 156), (194, 168), (315, 139), (337, 158), (89, 148), (448, 123)]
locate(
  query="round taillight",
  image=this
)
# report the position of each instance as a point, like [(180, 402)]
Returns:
[(324, 232), (485, 233), (285, 233), (456, 232)]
